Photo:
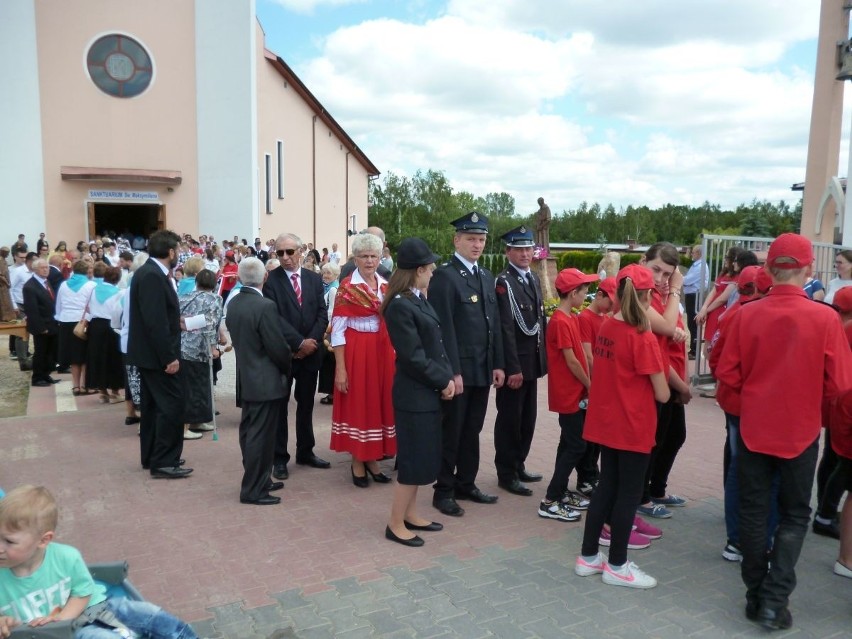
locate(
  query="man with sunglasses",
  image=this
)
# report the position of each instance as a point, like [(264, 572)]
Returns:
[(298, 294)]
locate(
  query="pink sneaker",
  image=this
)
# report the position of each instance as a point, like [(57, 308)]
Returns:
[(637, 541), (644, 528)]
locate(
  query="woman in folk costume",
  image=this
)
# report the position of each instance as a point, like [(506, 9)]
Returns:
[(362, 419)]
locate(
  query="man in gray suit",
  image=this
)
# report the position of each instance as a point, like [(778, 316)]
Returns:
[(263, 363)]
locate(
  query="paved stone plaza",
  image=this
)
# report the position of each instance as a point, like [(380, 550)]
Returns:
[(317, 565)]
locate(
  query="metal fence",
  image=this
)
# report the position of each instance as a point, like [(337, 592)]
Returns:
[(714, 248)]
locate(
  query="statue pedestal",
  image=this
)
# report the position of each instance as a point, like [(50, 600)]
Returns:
[(547, 271)]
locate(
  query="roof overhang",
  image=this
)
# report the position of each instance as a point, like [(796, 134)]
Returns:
[(300, 88), (145, 176)]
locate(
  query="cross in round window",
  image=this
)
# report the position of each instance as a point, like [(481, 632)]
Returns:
[(119, 66)]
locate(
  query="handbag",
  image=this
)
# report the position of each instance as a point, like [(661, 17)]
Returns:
[(81, 327)]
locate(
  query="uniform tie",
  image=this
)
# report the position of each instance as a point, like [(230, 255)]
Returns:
[(296, 288)]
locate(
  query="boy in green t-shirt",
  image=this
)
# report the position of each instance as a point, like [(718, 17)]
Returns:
[(42, 582)]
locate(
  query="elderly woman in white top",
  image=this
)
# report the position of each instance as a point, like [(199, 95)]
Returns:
[(362, 418), (105, 369), (71, 301)]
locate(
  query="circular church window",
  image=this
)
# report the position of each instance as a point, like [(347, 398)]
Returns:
[(119, 66)]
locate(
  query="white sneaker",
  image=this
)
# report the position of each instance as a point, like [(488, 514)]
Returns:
[(843, 571), (585, 568), (627, 575), (188, 434), (557, 511), (201, 428)]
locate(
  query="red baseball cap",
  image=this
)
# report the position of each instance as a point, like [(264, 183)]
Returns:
[(229, 254), (571, 278), (757, 277), (640, 275), (843, 300), (792, 246), (608, 286)]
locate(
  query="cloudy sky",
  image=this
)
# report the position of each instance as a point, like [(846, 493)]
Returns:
[(622, 102)]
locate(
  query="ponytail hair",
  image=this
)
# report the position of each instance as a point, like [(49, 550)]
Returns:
[(631, 305)]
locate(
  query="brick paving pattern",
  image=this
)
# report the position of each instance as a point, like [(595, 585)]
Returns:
[(317, 565)]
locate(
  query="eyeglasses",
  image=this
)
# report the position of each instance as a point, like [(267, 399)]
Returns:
[(281, 252)]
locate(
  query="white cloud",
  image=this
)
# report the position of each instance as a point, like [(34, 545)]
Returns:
[(309, 6), (625, 102)]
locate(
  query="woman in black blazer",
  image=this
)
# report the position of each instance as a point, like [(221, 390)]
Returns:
[(423, 378)]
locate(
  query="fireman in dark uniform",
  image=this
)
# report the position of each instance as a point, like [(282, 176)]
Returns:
[(462, 294), (522, 321)]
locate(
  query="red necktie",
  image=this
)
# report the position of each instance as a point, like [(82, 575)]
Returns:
[(49, 291), (296, 287)]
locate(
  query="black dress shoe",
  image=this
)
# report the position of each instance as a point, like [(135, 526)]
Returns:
[(751, 610), (42, 383), (53, 381), (379, 477), (826, 530), (63, 371), (272, 486), (360, 482), (448, 506), (477, 496), (780, 619), (279, 471), (314, 462), (268, 500), (529, 477), (175, 472), (515, 487), (432, 526), (129, 421), (414, 542)]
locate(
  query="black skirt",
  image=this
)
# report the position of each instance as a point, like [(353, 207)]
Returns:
[(198, 403), (418, 446), (326, 373), (104, 365), (71, 350)]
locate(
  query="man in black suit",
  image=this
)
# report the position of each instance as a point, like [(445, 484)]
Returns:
[(522, 323), (153, 345), (462, 294), (263, 362), (39, 307), (55, 275), (298, 296), (262, 254)]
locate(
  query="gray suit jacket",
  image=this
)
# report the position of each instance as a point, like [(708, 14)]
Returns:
[(263, 356)]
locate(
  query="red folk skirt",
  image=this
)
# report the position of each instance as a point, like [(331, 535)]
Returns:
[(362, 421)]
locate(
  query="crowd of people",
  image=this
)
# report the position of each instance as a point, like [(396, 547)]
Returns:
[(407, 354)]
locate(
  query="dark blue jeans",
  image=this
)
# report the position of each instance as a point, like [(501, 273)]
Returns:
[(770, 579), (143, 618)]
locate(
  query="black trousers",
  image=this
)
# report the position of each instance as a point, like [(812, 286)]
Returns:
[(44, 356), (770, 580), (615, 500), (690, 300), (306, 389), (665, 452), (569, 452), (830, 480), (514, 428), (461, 423), (257, 437), (671, 434), (161, 427)]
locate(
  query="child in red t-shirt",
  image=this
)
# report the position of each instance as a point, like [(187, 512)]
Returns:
[(622, 417), (567, 385), (590, 320)]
